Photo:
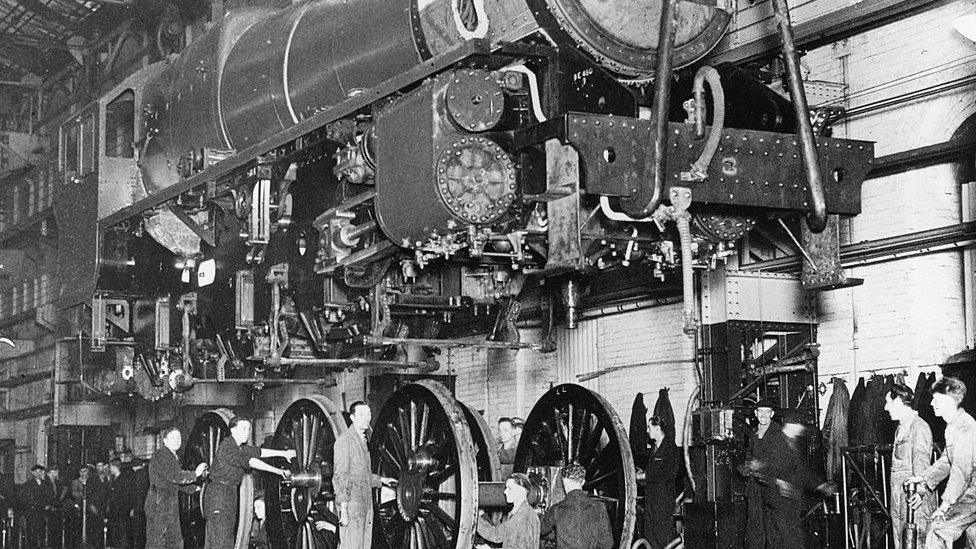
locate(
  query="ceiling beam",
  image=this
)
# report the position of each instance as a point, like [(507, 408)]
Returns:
[(29, 60), (45, 13), (820, 31)]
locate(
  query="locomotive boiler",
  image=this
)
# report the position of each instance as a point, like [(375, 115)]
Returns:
[(370, 180)]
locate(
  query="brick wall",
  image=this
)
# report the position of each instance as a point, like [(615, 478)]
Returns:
[(908, 315), (504, 383)]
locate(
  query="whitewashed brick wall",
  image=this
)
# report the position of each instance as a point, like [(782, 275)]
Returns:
[(504, 383), (908, 315)]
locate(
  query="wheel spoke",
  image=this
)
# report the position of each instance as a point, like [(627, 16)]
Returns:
[(437, 530), (594, 445), (308, 540), (414, 537), (386, 456), (442, 495), (313, 441), (599, 456), (405, 430), (429, 540), (571, 434), (298, 436), (425, 417), (398, 444), (447, 521), (414, 428), (436, 478), (599, 479)]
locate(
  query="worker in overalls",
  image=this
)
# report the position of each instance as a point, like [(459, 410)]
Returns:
[(910, 455), (956, 515), (234, 458), (354, 480)]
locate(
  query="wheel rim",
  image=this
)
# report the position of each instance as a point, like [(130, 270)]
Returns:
[(571, 424), (423, 439), (310, 426), (201, 447), (489, 468)]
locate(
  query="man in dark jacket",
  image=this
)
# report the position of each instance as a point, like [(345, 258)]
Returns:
[(578, 521), (234, 458), (38, 499), (55, 517), (135, 482), (162, 506), (777, 478), (117, 507)]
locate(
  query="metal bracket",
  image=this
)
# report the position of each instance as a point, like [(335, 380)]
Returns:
[(206, 233)]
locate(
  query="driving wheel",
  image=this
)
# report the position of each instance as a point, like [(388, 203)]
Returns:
[(423, 438), (201, 447), (301, 511), (572, 424)]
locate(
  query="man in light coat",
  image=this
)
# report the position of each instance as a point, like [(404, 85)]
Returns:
[(354, 481), (957, 513)]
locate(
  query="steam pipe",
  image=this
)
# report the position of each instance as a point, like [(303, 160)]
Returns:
[(687, 274), (817, 218), (686, 436), (662, 98), (699, 169)]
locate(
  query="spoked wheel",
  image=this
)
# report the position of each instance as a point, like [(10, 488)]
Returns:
[(201, 447), (422, 438), (571, 424), (301, 512)]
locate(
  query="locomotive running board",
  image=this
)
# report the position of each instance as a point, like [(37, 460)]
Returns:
[(416, 74)]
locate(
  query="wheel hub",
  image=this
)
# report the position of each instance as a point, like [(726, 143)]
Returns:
[(410, 487)]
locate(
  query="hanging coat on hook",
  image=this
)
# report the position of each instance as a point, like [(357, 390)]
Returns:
[(638, 429), (835, 426), (856, 412)]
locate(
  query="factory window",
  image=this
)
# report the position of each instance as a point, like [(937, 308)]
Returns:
[(87, 148), (69, 147), (78, 145), (120, 125)]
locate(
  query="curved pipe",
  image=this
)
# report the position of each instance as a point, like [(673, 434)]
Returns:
[(662, 99), (699, 169), (614, 215), (817, 218)]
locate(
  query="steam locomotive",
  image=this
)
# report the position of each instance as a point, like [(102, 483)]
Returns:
[(334, 182)]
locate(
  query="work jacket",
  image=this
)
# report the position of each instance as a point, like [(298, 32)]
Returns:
[(578, 522), (957, 460)]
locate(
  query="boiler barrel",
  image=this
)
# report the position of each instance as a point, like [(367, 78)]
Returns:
[(261, 70)]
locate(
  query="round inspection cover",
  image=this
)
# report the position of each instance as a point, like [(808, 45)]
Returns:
[(474, 100), (476, 180)]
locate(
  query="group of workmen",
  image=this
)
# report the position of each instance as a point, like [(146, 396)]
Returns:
[(102, 507), (577, 521), (777, 478), (139, 504)]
